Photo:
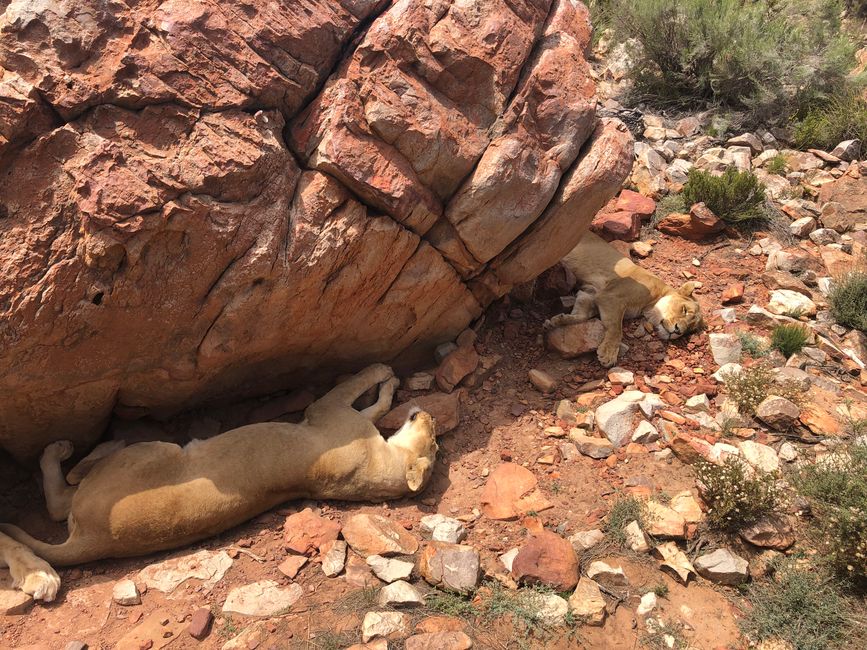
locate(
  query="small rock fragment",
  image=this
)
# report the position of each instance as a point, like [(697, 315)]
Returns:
[(125, 593), (723, 567), (542, 381), (389, 569), (391, 625), (400, 594), (587, 604)]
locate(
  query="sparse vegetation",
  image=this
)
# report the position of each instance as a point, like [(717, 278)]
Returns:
[(842, 117), (748, 387), (771, 58), (789, 339), (753, 345), (624, 510), (798, 605), (777, 165), (734, 197), (836, 487), (848, 300), (450, 604), (666, 205), (664, 635), (736, 496), (661, 590)]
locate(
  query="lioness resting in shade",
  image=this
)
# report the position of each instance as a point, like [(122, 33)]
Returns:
[(612, 286), (154, 496)]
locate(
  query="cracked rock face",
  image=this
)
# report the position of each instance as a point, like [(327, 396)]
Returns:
[(203, 201)]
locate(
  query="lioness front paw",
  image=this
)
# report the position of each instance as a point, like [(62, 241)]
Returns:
[(607, 355), (58, 451), (39, 580)]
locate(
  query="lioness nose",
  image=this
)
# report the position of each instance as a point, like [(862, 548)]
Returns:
[(677, 329)]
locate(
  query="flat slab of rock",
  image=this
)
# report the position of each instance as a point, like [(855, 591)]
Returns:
[(664, 522), (376, 535), (207, 566), (306, 532), (449, 640), (574, 340), (443, 529), (674, 561), (125, 593), (586, 539), (778, 412), (773, 532), (597, 448), (389, 625), (454, 567), (263, 598), (760, 456), (725, 348), (614, 418), (444, 407), (607, 575), (389, 569), (333, 558), (400, 594), (547, 559), (723, 567), (512, 491), (587, 603)]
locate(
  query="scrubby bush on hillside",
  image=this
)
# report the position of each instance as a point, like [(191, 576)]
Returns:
[(848, 299), (789, 339), (798, 606), (736, 495), (842, 117), (772, 58), (734, 197), (836, 487)]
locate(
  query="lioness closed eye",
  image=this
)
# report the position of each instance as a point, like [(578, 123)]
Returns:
[(612, 286), (153, 496)]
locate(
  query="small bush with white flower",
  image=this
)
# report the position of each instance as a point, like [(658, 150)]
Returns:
[(750, 386), (836, 487), (736, 495)]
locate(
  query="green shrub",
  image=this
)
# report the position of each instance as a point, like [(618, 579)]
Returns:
[(736, 496), (769, 57), (789, 339), (848, 299), (842, 117), (836, 487), (749, 387), (753, 345), (734, 197), (800, 606), (624, 510), (778, 165)]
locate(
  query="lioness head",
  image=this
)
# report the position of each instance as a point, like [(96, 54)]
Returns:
[(419, 435), (676, 313)]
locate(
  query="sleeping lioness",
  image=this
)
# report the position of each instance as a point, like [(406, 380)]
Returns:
[(614, 287), (154, 496)]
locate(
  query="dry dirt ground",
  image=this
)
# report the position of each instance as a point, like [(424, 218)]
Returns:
[(503, 419)]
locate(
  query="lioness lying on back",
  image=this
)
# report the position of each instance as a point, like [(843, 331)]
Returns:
[(614, 287), (154, 496)]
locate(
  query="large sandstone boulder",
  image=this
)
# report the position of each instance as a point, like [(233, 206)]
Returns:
[(207, 200)]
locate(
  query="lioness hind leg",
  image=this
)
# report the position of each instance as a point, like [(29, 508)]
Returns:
[(58, 493), (611, 315), (31, 574), (383, 403)]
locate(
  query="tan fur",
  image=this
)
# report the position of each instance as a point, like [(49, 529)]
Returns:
[(616, 288), (154, 496)]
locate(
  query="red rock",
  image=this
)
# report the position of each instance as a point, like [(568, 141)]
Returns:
[(200, 624), (577, 339), (690, 449), (452, 640), (773, 531), (699, 224), (292, 565), (444, 407), (624, 226), (167, 193), (636, 203), (547, 559), (440, 624), (376, 535), (511, 491), (306, 532), (457, 365), (733, 293), (850, 192)]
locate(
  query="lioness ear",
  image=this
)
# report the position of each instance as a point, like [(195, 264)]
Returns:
[(417, 473), (687, 288)]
